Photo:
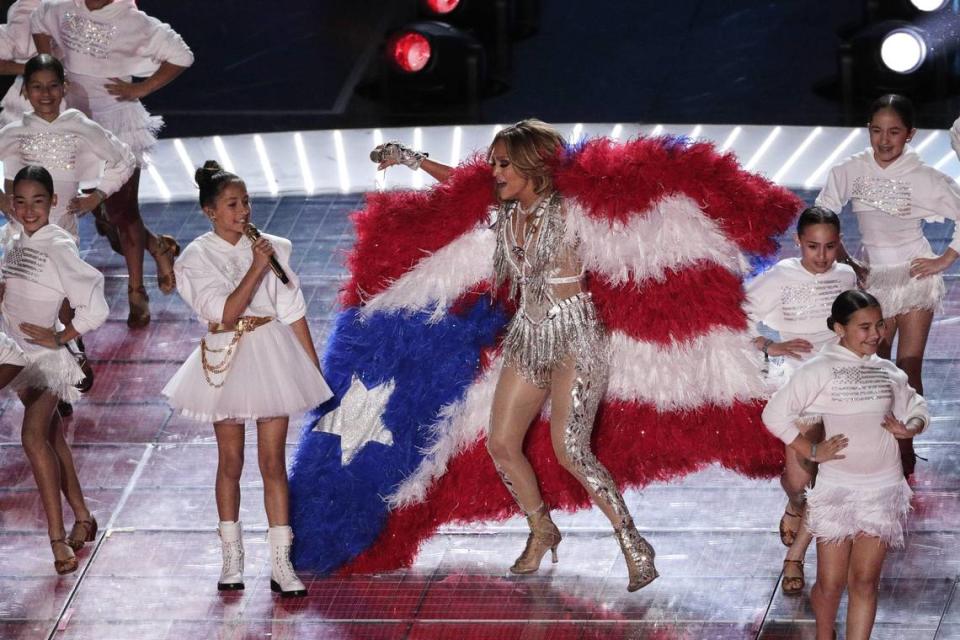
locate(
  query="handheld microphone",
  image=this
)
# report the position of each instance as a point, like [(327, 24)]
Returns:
[(254, 234)]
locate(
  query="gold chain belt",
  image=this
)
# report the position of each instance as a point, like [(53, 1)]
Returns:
[(244, 324)]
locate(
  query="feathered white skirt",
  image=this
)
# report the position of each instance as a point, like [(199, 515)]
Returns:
[(898, 292), (270, 375), (53, 370), (133, 124), (842, 512)]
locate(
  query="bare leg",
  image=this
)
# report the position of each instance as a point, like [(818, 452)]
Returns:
[(914, 328), (124, 212), (516, 402), (833, 566), (35, 438), (271, 453), (863, 583), (69, 482), (799, 469), (230, 438)]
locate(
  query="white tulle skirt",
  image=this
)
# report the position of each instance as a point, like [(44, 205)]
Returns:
[(270, 375), (841, 512), (898, 292), (53, 370)]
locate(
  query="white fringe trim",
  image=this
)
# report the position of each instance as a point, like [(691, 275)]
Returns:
[(439, 279), (460, 425), (839, 513), (672, 234), (720, 367), (899, 293), (133, 125), (54, 370)]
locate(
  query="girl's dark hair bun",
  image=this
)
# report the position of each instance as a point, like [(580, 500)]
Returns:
[(205, 173)]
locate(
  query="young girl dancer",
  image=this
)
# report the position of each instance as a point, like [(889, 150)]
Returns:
[(793, 297), (555, 346), (257, 362), (105, 43), (71, 146), (892, 193), (857, 507), (41, 267)]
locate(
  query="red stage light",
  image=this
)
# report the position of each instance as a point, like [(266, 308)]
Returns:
[(442, 6), (410, 51)]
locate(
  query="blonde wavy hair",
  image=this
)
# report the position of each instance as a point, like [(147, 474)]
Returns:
[(530, 145)]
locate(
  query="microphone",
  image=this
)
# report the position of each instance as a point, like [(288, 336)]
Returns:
[(254, 234)]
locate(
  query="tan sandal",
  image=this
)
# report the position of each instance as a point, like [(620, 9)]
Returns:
[(544, 536), (139, 301), (792, 585), (68, 565), (83, 531), (166, 278), (788, 535)]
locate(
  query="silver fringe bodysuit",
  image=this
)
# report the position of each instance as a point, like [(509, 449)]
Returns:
[(547, 330)]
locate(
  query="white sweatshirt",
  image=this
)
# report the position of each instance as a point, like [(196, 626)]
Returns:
[(853, 395), (210, 269), (891, 203), (74, 149), (795, 302), (39, 272), (117, 41)]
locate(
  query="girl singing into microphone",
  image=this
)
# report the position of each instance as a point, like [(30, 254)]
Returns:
[(256, 362)]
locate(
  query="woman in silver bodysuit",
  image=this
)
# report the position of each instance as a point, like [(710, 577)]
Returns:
[(555, 347)]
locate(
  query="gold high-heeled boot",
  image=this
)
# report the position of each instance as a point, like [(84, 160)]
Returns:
[(544, 536), (639, 556)]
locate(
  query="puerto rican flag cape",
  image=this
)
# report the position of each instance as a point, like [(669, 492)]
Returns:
[(668, 231)]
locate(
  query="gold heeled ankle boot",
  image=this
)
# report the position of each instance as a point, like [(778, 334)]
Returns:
[(639, 556), (544, 535)]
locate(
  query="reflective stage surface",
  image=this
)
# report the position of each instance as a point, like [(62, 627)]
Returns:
[(149, 479)]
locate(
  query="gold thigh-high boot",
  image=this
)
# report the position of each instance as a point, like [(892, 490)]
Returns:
[(587, 390)]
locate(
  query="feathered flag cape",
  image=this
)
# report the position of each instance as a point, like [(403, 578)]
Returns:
[(667, 231)]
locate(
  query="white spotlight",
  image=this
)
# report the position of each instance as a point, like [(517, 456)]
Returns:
[(455, 145), (616, 132), (731, 139), (929, 5), (265, 164), (308, 184), (221, 148), (903, 50)]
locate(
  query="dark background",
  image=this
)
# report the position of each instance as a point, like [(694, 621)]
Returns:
[(295, 64)]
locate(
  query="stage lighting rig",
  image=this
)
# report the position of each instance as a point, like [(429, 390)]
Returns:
[(432, 63)]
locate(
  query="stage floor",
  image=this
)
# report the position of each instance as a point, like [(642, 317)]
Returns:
[(148, 476)]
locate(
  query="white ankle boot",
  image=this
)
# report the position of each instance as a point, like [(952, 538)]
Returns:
[(283, 580), (231, 543)]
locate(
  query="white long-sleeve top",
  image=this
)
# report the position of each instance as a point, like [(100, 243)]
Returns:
[(76, 151), (795, 302), (117, 41), (41, 270), (891, 203), (853, 395), (210, 269), (16, 41)]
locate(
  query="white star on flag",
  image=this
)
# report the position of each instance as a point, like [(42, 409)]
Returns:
[(357, 419)]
